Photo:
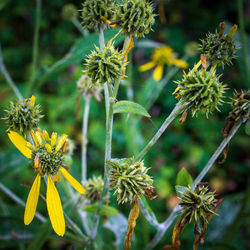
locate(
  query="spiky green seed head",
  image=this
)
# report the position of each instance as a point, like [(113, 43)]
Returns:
[(23, 116), (85, 86), (94, 187), (93, 10), (105, 65), (240, 106), (201, 90), (69, 12), (197, 204), (220, 48), (136, 17), (129, 180)]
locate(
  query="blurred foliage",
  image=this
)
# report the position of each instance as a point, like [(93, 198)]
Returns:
[(62, 51)]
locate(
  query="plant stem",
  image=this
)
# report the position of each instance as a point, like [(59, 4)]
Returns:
[(8, 77), (215, 155), (163, 227), (35, 46), (77, 24), (176, 111), (101, 38), (87, 98), (243, 41), (15, 198)]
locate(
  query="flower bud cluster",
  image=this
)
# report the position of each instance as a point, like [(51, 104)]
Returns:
[(201, 90), (22, 116), (198, 203), (105, 65), (136, 17), (220, 48), (129, 180), (94, 187), (93, 10)]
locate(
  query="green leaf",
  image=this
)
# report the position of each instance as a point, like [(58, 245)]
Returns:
[(180, 189), (130, 107), (184, 178), (106, 210), (41, 236)]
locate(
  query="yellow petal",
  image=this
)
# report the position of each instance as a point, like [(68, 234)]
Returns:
[(32, 200), (20, 144), (34, 138), (158, 72), (45, 135), (60, 142), (48, 148), (39, 137), (147, 66), (53, 138), (75, 184), (54, 207), (180, 63), (32, 100)]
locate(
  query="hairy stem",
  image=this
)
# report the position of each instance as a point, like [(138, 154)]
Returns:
[(176, 111), (15, 198), (87, 98), (243, 41), (8, 78), (35, 45)]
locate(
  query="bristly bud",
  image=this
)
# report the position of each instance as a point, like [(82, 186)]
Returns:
[(240, 106), (85, 87), (23, 116), (240, 111), (201, 90), (136, 17), (197, 204), (105, 65), (94, 187), (219, 47), (129, 180), (93, 10), (69, 12)]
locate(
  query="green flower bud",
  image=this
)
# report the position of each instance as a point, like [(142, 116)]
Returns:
[(219, 48), (69, 12), (136, 17), (94, 187), (201, 90), (198, 203), (93, 10), (240, 107), (105, 65), (23, 116), (129, 180)]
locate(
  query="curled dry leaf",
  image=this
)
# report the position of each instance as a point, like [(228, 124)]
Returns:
[(133, 215)]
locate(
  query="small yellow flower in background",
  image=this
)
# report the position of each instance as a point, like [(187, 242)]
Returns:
[(162, 56), (46, 155)]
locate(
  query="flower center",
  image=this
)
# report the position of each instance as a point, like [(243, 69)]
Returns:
[(163, 55)]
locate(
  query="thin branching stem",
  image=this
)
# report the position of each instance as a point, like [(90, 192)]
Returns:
[(35, 45), (87, 99), (168, 222), (175, 112), (8, 78)]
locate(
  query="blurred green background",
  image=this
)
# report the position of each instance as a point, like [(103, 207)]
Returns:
[(188, 145)]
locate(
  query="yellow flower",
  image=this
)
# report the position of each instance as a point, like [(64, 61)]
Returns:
[(162, 56), (46, 155)]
